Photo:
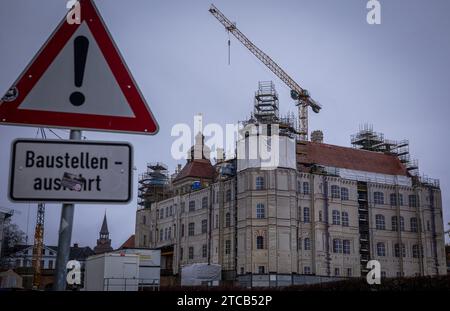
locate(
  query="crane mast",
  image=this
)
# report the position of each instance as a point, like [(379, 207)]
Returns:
[(300, 95)]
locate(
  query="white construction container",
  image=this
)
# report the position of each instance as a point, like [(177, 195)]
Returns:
[(112, 272), (201, 274), (149, 265)]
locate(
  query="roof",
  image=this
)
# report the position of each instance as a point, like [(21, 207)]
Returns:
[(104, 229), (128, 243), (76, 252), (199, 168), (309, 153)]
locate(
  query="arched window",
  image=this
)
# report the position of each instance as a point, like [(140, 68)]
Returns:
[(394, 223), (227, 220), (397, 250), (381, 249), (378, 197), (306, 215), (335, 193), (307, 243), (415, 251), (345, 221), (380, 222), (413, 224), (259, 183), (260, 211), (344, 194), (336, 217), (259, 242), (306, 187)]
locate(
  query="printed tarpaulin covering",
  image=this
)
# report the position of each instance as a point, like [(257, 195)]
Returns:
[(200, 273)]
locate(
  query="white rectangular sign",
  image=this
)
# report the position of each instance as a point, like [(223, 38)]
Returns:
[(70, 171)]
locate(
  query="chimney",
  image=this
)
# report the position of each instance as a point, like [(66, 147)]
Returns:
[(317, 136)]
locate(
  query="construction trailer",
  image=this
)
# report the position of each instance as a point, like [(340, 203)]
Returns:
[(112, 272), (149, 266), (123, 270)]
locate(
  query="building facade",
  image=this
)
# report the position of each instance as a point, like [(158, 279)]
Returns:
[(322, 211)]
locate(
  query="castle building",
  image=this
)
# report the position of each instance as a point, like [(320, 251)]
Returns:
[(320, 212)]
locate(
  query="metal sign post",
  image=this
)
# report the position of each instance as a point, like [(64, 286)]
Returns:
[(65, 236)]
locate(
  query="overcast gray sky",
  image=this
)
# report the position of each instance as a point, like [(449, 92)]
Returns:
[(394, 75)]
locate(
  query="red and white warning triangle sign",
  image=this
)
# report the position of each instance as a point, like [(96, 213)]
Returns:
[(78, 80)]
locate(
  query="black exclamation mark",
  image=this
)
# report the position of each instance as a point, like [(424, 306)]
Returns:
[(81, 46)]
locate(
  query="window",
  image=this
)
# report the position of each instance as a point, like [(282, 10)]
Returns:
[(428, 226), (228, 196), (413, 200), (228, 247), (344, 194), (242, 270), (397, 250), (307, 245), (227, 219), (305, 187), (50, 264), (191, 206), (191, 229), (299, 186), (217, 221), (170, 233), (165, 234), (205, 202), (349, 271), (346, 246), (144, 220), (261, 270), (380, 222), (381, 249), (378, 197), (320, 216), (171, 210), (145, 240), (43, 251), (337, 246), (42, 264), (336, 217), (383, 274), (306, 217), (394, 223), (181, 253), (402, 224), (191, 252), (174, 231), (415, 251), (335, 193), (306, 270), (161, 214), (393, 200), (260, 211), (336, 272), (259, 183), (182, 206), (161, 235), (182, 230), (204, 251), (204, 226), (413, 224), (259, 242), (167, 211)]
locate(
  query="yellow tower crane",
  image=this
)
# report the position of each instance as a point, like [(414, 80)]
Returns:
[(300, 95)]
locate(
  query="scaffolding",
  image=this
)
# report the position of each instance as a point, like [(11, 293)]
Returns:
[(154, 185), (266, 112), (367, 139)]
